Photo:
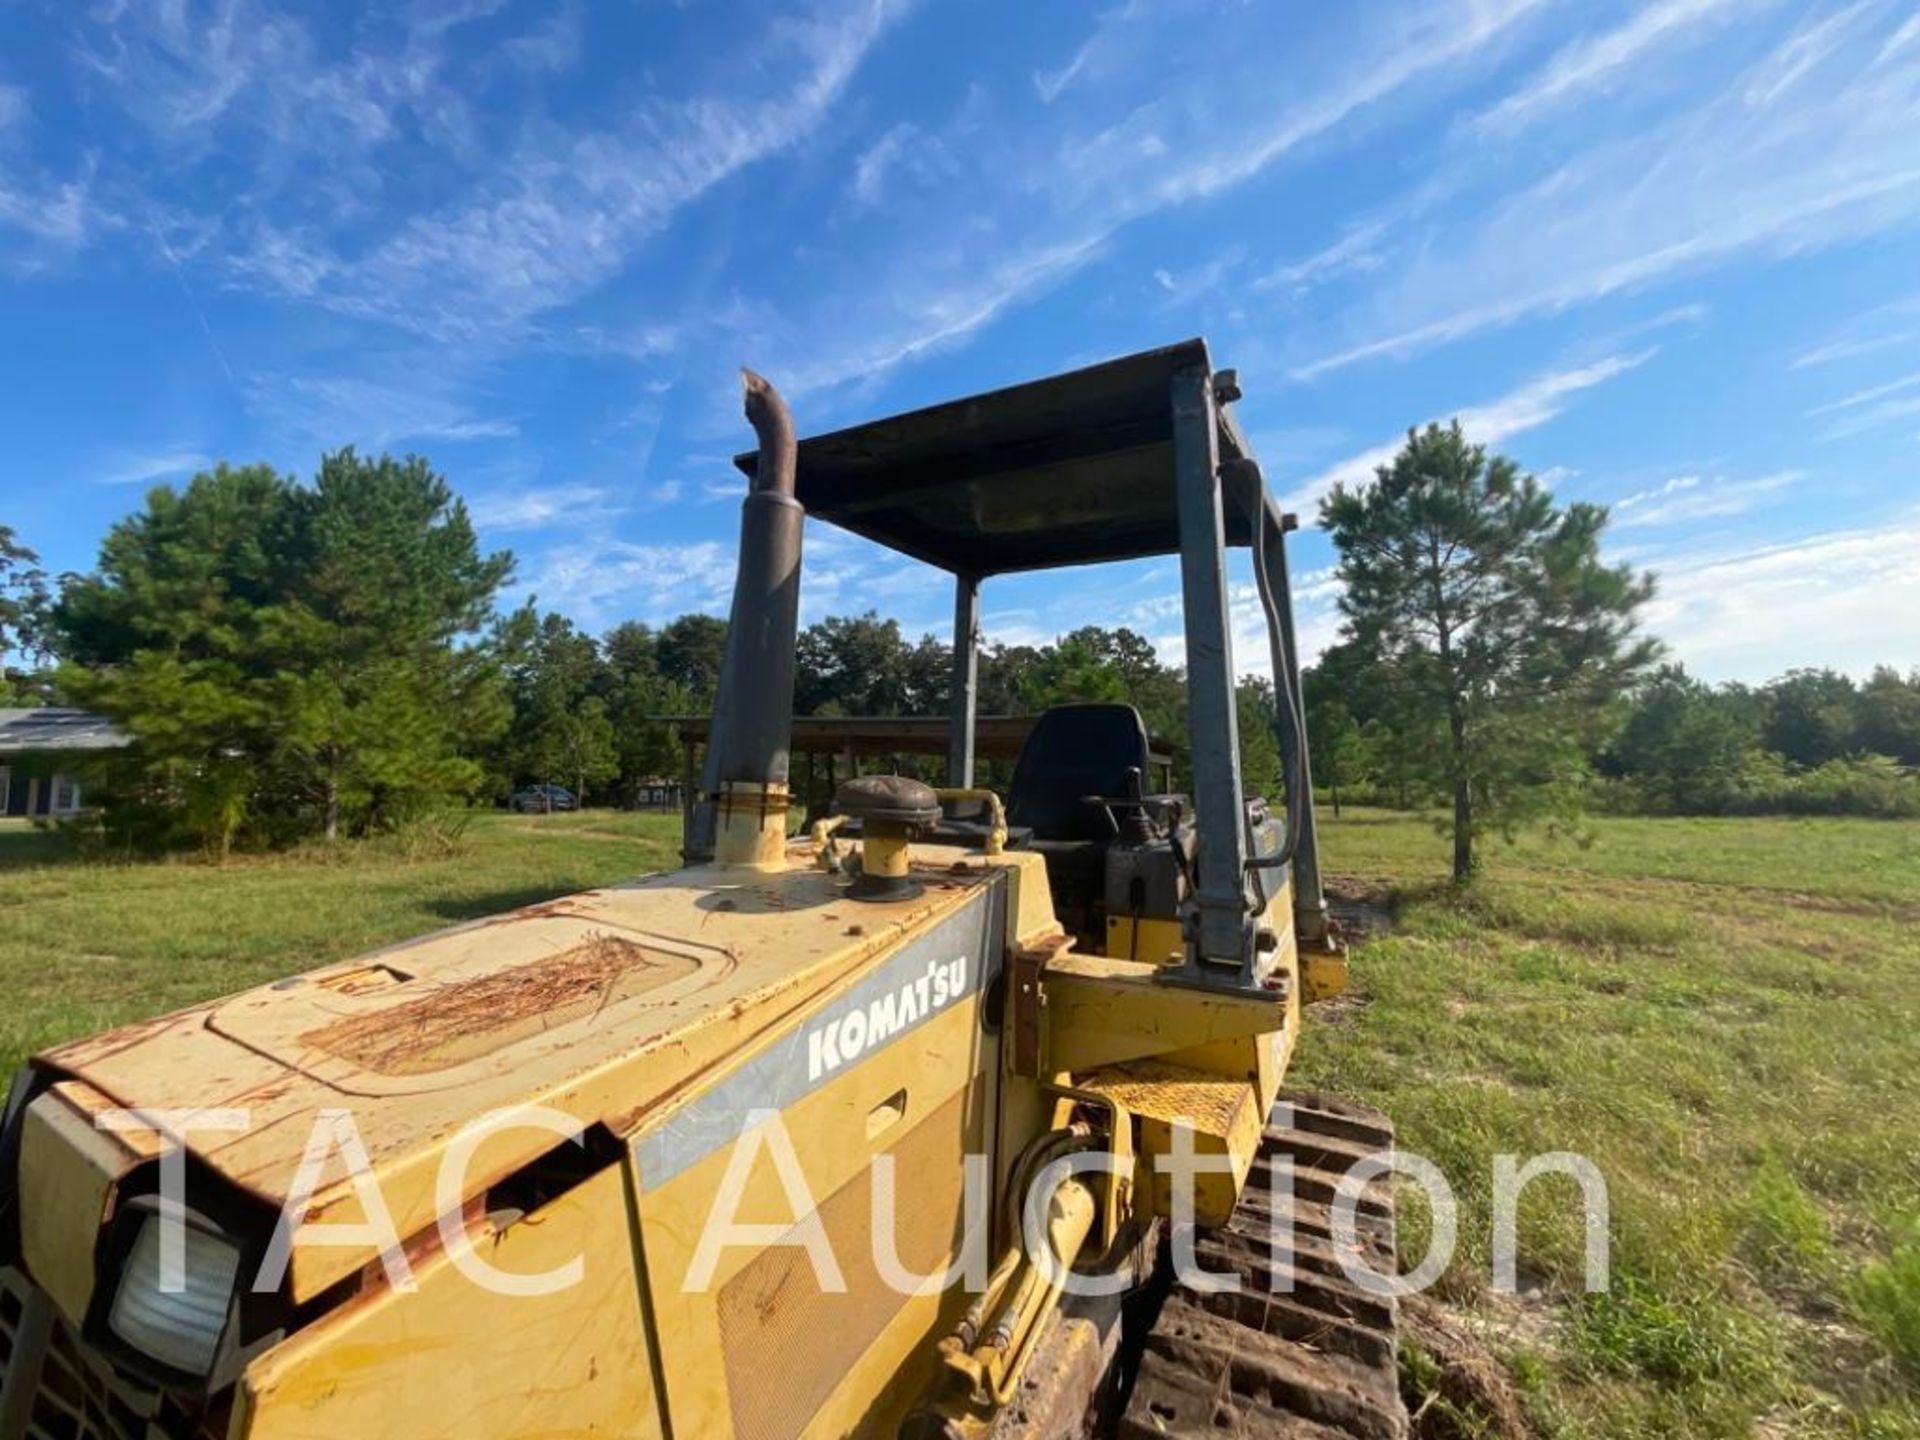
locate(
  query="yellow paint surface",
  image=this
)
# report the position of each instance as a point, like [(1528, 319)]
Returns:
[(455, 1359)]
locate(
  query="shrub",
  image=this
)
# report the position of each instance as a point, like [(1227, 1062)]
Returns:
[(1861, 785)]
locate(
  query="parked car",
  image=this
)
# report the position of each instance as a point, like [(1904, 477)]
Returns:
[(542, 800)]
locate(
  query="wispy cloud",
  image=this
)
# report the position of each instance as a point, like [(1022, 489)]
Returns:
[(188, 68), (552, 46), (1022, 218), (323, 412), (1844, 598), (602, 581), (1050, 84), (544, 507), (59, 215), (944, 318), (1850, 349), (1591, 62), (1900, 40), (1353, 251), (879, 159), (1523, 408), (1802, 52), (567, 211), (145, 469), (1725, 178), (1883, 327), (1687, 498), (1865, 417), (1870, 393), (1197, 161), (1189, 283)]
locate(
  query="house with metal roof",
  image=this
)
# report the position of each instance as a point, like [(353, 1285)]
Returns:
[(43, 753)]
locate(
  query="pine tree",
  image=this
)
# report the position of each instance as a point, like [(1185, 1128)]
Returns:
[(174, 636), (561, 731), (1491, 606), (288, 658), (23, 615), (381, 702)]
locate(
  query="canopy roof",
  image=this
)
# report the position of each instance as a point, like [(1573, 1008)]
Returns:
[(1070, 470)]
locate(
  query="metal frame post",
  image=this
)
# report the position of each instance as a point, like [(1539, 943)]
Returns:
[(1220, 934), (1309, 900), (689, 796), (964, 696)]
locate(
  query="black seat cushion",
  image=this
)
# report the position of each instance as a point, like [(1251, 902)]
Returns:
[(1074, 751)]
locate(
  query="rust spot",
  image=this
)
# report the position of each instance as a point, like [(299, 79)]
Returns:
[(856, 930), (468, 1019), (546, 909)]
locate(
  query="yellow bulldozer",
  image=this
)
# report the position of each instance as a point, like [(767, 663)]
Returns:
[(958, 1114)]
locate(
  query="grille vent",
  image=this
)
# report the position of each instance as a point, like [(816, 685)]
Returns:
[(76, 1395), (787, 1344)]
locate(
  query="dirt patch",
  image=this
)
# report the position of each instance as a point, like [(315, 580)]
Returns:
[(1362, 905), (1842, 1361), (1456, 1388), (1343, 1009)]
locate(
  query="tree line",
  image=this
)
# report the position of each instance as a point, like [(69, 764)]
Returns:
[(1493, 663), (1810, 742), (328, 658)]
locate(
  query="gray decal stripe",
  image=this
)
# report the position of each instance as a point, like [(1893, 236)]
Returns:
[(926, 977)]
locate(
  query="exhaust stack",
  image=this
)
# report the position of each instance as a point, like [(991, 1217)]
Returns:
[(741, 818)]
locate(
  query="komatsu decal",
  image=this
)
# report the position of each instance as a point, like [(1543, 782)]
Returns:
[(949, 962), (833, 1044)]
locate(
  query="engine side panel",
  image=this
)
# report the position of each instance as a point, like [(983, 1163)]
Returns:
[(455, 1358), (765, 1342)]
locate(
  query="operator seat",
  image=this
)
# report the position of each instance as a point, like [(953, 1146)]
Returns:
[(1072, 752)]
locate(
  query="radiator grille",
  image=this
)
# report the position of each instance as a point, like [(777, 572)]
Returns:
[(76, 1396), (787, 1344)]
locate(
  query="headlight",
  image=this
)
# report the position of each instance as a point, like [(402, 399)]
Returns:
[(179, 1327), (27, 1083)]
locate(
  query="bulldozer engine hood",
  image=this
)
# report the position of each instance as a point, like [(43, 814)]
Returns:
[(638, 1010)]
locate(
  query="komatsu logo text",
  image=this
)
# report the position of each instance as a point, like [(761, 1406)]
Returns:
[(846, 1037)]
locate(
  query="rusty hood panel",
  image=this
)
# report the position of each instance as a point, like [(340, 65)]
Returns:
[(604, 1005)]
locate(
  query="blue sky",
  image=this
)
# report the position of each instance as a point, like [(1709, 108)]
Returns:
[(1665, 253)]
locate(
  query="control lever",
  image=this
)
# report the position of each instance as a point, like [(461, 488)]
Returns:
[(1139, 827)]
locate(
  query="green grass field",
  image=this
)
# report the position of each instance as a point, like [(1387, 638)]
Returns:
[(1723, 1015), (86, 946)]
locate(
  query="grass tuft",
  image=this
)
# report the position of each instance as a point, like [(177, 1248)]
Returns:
[(1886, 1297), (1786, 1236), (1679, 1336)]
